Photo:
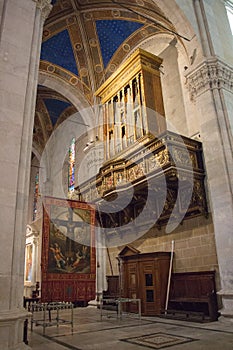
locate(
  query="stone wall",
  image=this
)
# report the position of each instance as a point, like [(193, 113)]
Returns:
[(194, 247)]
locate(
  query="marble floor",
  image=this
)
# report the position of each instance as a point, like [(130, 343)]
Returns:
[(90, 332)]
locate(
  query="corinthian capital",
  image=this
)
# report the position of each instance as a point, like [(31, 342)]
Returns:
[(45, 7), (209, 75)]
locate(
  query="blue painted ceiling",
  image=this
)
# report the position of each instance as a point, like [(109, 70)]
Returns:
[(58, 50), (55, 108), (112, 33)]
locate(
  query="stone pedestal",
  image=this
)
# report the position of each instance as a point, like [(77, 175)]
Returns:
[(11, 329)]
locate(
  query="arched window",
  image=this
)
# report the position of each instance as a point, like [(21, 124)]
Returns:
[(71, 171), (35, 198)]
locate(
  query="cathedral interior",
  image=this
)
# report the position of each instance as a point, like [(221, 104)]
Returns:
[(118, 179)]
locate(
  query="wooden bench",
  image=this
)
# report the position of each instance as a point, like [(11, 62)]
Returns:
[(184, 315), (194, 292), (113, 292)]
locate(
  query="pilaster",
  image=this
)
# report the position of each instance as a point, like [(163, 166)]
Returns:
[(211, 88)]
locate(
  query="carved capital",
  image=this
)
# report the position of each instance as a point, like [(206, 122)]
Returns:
[(45, 7), (211, 74), (36, 239)]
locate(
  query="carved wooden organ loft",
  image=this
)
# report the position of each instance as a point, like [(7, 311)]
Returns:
[(138, 147)]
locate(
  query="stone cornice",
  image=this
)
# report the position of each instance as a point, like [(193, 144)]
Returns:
[(209, 75), (45, 7)]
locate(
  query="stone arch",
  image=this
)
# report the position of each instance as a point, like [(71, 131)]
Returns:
[(184, 27), (75, 96), (37, 152)]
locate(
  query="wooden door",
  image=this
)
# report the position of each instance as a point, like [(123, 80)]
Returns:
[(145, 276), (131, 290), (149, 287)]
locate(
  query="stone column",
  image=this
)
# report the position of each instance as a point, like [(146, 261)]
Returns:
[(101, 283), (211, 87), (20, 41)]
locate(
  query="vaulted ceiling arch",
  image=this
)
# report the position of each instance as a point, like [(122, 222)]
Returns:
[(85, 41)]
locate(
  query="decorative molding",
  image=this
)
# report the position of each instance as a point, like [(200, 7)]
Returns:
[(211, 74), (45, 7), (31, 233)]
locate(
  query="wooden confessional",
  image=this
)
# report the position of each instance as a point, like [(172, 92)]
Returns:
[(144, 276)]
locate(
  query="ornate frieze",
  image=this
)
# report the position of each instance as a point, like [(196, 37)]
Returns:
[(211, 74), (162, 158)]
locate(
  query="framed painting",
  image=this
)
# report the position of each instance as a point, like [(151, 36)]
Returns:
[(68, 251), (28, 263)]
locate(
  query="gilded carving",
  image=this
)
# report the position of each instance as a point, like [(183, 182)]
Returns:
[(109, 182), (140, 164), (198, 196), (119, 177), (193, 160), (162, 158), (135, 172)]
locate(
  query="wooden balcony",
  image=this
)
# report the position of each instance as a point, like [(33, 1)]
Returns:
[(164, 173)]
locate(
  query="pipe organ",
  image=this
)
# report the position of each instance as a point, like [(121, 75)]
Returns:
[(136, 146), (132, 103)]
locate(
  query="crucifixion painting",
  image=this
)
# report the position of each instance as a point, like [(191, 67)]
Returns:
[(68, 253), (69, 240)]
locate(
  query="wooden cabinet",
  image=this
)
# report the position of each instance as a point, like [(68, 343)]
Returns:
[(145, 276)]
